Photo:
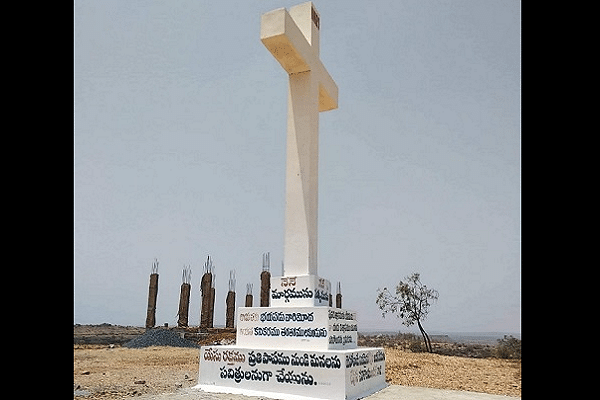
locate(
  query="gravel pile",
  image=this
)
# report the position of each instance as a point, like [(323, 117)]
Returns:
[(159, 337)]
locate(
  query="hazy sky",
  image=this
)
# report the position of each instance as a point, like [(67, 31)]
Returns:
[(180, 129)]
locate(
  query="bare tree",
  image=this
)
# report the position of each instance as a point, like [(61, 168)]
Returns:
[(411, 303)]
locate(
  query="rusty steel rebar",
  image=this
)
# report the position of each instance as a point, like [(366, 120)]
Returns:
[(338, 296), (152, 295), (211, 315), (205, 289), (249, 298), (230, 301), (184, 297), (265, 281)]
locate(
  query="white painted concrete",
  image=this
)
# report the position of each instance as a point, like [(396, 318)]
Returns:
[(293, 39), (391, 392), (299, 347), (297, 328), (332, 375)]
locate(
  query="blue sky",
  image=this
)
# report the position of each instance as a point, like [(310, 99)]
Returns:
[(180, 126)]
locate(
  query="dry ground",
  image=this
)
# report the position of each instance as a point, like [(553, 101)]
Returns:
[(486, 375), (111, 373)]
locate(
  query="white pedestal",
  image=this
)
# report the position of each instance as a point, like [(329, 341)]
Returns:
[(286, 374), (294, 353)]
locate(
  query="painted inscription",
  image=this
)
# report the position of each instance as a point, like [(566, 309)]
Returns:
[(379, 356), (339, 339), (245, 331), (366, 366), (283, 376), (322, 295), (261, 366), (347, 315), (229, 356), (358, 359), (305, 293), (238, 375), (249, 316), (364, 373), (325, 362), (289, 281), (304, 360), (345, 327), (292, 294), (289, 377), (286, 317), (290, 332), (274, 358)]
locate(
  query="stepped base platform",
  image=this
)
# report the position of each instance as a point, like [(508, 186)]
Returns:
[(292, 374), (297, 348), (391, 392)]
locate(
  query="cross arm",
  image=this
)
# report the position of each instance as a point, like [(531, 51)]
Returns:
[(282, 37), (328, 90)]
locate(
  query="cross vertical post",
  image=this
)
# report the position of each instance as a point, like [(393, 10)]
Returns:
[(293, 39)]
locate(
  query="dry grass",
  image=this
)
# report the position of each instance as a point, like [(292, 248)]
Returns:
[(487, 375)]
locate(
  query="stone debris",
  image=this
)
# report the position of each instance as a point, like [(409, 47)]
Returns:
[(78, 392), (159, 337)]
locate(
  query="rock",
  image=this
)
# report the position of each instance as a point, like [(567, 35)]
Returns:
[(85, 373), (140, 382)]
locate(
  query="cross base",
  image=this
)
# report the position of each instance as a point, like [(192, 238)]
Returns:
[(292, 374), (297, 353)]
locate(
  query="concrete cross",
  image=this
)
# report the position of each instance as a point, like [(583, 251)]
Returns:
[(293, 39)]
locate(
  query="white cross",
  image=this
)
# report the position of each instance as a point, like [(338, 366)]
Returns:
[(293, 39)]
